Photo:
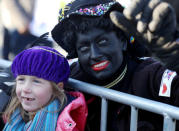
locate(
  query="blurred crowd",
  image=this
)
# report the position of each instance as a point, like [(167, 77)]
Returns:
[(22, 21)]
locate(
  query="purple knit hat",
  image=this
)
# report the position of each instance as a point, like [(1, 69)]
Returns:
[(43, 62)]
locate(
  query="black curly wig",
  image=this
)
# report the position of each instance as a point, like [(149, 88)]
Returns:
[(82, 24)]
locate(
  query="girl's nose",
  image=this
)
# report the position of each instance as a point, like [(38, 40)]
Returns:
[(27, 87)]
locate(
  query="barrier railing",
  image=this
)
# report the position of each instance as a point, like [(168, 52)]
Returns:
[(4, 63), (170, 113)]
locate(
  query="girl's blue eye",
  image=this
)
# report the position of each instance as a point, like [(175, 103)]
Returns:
[(37, 81), (20, 79)]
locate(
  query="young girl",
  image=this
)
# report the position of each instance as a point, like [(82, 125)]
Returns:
[(38, 100)]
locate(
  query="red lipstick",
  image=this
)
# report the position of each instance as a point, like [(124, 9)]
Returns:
[(100, 66)]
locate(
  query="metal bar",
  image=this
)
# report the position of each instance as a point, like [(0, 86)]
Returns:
[(127, 99), (134, 118), (4, 63), (169, 123), (104, 109)]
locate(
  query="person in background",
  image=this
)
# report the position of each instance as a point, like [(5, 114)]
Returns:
[(111, 41), (41, 73), (15, 17), (20, 27)]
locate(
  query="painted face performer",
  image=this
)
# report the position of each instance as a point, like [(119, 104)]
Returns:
[(108, 58), (38, 100)]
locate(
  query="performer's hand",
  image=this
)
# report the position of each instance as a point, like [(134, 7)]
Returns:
[(151, 22)]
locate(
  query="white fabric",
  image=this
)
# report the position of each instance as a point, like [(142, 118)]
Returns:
[(165, 86), (124, 3), (45, 16)]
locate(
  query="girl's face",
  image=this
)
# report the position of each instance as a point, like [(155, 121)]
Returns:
[(33, 92)]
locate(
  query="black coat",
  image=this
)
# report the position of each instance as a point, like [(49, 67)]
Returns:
[(143, 78)]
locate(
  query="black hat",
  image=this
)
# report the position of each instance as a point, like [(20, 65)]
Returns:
[(83, 8)]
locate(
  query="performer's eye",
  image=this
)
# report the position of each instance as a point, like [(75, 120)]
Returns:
[(84, 48), (102, 41)]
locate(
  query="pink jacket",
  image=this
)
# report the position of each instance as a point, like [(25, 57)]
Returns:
[(73, 117)]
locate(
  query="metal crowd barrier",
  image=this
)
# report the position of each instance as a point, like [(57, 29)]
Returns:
[(4, 63), (170, 113)]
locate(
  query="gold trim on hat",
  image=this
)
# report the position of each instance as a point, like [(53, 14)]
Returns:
[(52, 52)]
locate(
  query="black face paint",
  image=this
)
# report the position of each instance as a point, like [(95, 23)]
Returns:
[(100, 53)]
